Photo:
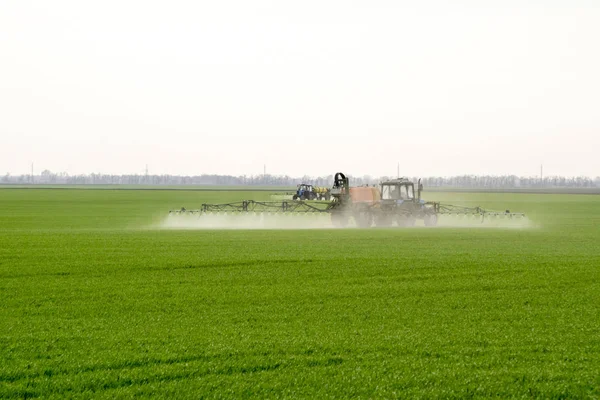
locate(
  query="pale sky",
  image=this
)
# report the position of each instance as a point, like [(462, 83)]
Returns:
[(306, 87)]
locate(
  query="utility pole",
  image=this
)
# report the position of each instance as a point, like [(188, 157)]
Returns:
[(146, 173), (265, 173), (542, 174), (32, 173)]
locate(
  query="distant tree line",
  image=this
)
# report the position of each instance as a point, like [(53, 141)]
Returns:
[(511, 182), (464, 181)]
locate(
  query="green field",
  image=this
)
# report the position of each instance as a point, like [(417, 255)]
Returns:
[(98, 302)]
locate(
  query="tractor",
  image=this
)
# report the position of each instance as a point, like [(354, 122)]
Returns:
[(310, 192), (394, 201), (400, 204), (305, 192)]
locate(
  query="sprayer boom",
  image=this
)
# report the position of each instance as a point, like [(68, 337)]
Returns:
[(449, 209), (252, 206)]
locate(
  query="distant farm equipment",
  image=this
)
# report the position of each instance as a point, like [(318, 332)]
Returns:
[(394, 202), (310, 192)]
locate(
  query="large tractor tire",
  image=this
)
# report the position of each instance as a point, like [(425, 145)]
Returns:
[(295, 197)]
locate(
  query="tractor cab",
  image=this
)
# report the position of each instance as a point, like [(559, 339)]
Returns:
[(398, 191), (305, 192), (303, 187)]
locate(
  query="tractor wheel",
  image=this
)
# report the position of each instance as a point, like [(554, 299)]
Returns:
[(295, 197)]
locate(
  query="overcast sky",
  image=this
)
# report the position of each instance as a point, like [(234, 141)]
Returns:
[(310, 87)]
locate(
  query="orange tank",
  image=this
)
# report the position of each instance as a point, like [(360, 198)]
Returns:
[(364, 194)]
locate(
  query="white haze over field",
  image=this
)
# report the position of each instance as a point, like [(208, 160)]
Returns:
[(307, 88), (321, 221), (247, 221)]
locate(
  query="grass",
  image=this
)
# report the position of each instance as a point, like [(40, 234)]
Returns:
[(95, 303)]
